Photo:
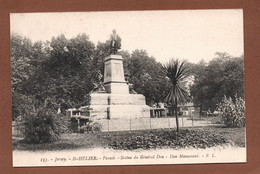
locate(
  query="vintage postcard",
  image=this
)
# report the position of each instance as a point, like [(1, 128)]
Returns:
[(128, 88)]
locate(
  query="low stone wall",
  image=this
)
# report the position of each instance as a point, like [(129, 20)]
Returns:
[(146, 123)]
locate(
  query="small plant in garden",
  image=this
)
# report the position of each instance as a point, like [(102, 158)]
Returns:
[(232, 112), (44, 125)]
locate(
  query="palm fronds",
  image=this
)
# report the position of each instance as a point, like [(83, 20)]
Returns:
[(176, 71)]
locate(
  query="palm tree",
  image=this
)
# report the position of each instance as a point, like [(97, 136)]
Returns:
[(176, 71)]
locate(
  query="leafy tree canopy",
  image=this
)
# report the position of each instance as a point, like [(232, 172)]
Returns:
[(224, 75), (145, 72)]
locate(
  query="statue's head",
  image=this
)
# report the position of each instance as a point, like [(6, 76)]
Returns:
[(114, 31)]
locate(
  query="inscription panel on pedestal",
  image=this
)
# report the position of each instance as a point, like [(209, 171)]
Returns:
[(118, 71)]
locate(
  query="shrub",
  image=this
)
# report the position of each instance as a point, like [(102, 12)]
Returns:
[(232, 113), (44, 125)]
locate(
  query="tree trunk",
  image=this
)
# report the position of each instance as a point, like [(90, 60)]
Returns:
[(200, 109), (176, 116)]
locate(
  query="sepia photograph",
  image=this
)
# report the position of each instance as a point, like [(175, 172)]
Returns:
[(128, 88)]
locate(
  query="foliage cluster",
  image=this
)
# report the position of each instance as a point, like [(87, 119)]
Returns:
[(232, 112), (145, 74), (223, 75), (167, 139), (44, 125)]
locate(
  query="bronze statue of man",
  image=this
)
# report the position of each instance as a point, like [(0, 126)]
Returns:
[(115, 43)]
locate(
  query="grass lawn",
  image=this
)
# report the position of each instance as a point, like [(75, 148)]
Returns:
[(199, 137), (236, 136)]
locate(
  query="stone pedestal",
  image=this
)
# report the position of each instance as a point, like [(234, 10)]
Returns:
[(114, 79), (115, 106)]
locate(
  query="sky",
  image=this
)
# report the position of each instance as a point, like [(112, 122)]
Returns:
[(185, 34)]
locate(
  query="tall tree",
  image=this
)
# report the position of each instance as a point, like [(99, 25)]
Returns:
[(22, 51), (223, 76), (25, 59), (176, 71), (66, 74), (144, 72)]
